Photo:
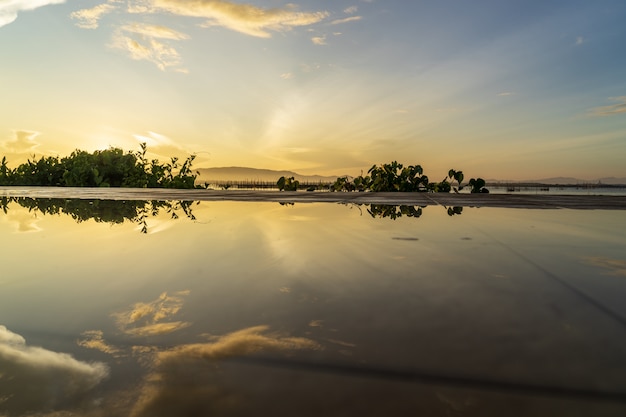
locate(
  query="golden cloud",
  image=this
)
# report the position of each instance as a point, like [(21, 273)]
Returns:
[(89, 18), (140, 42), (145, 42), (24, 141), (243, 18), (154, 31), (346, 20)]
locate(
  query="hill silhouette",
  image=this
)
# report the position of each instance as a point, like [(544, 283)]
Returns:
[(255, 174)]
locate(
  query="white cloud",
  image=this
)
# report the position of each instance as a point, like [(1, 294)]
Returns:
[(351, 10), (33, 378), (286, 76), (9, 9), (346, 20), (319, 40), (580, 40), (244, 18), (88, 18)]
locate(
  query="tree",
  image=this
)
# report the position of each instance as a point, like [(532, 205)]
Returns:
[(288, 184)]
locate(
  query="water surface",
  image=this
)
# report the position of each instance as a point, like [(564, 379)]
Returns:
[(241, 308)]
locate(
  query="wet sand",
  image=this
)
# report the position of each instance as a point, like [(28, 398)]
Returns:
[(599, 202)]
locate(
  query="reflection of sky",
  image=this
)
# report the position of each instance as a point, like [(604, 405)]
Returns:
[(170, 313), (33, 378)]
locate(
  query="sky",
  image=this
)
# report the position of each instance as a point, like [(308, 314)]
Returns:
[(517, 89)]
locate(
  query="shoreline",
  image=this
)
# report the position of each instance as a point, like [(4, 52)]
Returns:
[(527, 201)]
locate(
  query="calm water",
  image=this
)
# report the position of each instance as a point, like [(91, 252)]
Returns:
[(560, 190), (241, 309)]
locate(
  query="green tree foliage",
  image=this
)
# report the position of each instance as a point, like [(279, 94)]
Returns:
[(394, 177), (288, 184), (103, 168), (478, 185)]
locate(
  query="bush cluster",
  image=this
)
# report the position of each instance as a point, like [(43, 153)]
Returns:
[(107, 168), (394, 177)]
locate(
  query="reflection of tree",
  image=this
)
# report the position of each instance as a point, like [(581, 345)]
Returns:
[(103, 211), (394, 212)]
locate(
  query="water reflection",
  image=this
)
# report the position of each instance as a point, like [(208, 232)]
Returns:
[(101, 211), (612, 266), (34, 379), (314, 309), (137, 211), (153, 318)]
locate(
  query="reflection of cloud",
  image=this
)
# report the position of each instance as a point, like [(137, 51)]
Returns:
[(88, 18), (25, 221), (147, 319), (244, 18), (10, 9), (239, 343), (94, 339), (614, 266), (167, 391), (157, 328), (618, 108), (33, 378)]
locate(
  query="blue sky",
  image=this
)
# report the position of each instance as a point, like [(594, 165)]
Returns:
[(498, 89)]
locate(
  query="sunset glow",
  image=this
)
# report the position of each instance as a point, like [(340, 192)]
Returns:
[(507, 90)]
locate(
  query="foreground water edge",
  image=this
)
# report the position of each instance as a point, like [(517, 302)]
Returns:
[(160, 308)]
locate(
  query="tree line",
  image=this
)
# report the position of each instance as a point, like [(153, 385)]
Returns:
[(102, 168), (394, 177)]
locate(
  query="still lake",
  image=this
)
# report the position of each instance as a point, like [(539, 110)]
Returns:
[(312, 309)]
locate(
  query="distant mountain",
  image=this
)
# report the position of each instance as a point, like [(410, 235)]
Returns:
[(254, 174), (613, 181), (560, 180)]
